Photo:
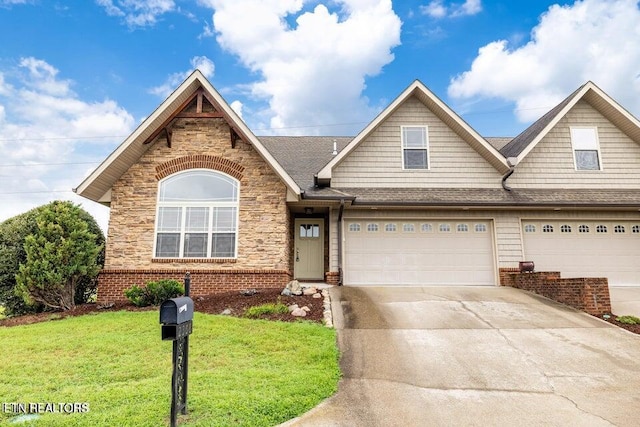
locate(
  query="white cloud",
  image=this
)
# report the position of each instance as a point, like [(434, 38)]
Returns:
[(9, 3), (202, 63), (237, 107), (437, 9), (312, 72), (589, 40), (138, 13), (47, 134)]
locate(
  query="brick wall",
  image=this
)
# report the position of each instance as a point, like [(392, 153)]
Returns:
[(332, 277), (588, 294), (203, 282)]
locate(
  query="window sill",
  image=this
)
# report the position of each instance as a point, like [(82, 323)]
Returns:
[(193, 260)]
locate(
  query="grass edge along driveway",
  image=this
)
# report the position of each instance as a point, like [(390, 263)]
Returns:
[(241, 372)]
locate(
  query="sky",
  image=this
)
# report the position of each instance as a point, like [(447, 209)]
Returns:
[(77, 77)]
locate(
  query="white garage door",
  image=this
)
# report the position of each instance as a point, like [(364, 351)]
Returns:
[(438, 252), (585, 248)]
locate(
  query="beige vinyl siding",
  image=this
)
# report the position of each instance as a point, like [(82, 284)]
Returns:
[(377, 161), (333, 240), (550, 164)]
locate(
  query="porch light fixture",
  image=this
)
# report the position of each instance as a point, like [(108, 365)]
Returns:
[(308, 211)]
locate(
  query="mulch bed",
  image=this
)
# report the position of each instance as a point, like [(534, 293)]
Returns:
[(212, 304), (631, 328)]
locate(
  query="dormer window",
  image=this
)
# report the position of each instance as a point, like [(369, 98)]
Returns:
[(415, 147), (586, 149)]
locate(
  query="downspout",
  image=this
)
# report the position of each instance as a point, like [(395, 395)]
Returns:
[(511, 161), (340, 241)]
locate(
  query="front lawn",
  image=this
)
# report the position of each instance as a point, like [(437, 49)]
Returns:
[(241, 372)]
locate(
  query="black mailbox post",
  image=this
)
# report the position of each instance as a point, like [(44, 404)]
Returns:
[(176, 317)]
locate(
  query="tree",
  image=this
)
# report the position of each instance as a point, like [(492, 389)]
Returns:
[(60, 254), (13, 232)]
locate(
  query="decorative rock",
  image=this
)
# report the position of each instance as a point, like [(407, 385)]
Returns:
[(293, 288), (249, 292), (298, 312), (293, 307), (317, 295), (309, 291), (305, 308), (106, 306), (286, 292), (227, 312)]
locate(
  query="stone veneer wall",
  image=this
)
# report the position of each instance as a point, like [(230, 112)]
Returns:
[(590, 294), (263, 228)]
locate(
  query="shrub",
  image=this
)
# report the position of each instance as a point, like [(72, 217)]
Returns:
[(259, 310), (154, 292), (629, 320), (61, 252), (2, 312)]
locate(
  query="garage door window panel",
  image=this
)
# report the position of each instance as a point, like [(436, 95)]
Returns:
[(415, 147), (586, 148)]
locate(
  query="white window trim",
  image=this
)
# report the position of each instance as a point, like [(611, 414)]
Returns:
[(573, 149), (402, 148), (184, 206)]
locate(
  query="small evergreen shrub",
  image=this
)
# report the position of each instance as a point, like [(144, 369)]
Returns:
[(154, 292), (629, 320), (259, 310)]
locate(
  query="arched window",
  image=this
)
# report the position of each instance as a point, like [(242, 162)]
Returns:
[(197, 215)]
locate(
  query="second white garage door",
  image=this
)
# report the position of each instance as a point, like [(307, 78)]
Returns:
[(608, 249), (437, 252)]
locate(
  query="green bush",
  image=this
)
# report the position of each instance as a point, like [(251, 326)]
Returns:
[(2, 312), (154, 293), (259, 310), (629, 320)]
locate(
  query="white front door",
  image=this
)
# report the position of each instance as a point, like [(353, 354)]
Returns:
[(309, 249)]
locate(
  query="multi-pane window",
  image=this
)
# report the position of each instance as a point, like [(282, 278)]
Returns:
[(619, 229), (415, 147), (444, 228), (197, 215), (354, 227), (529, 228), (635, 229), (583, 229), (601, 229), (481, 228), (547, 228), (390, 227), (586, 149), (462, 228), (426, 228), (565, 228), (408, 228), (372, 227)]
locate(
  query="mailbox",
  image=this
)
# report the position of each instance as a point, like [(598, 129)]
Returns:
[(176, 311)]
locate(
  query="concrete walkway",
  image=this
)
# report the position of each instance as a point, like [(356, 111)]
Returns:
[(476, 356), (625, 300)]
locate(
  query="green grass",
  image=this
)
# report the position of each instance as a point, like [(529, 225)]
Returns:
[(629, 320), (271, 308), (241, 372)]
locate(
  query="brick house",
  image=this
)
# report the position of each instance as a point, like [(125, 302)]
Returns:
[(418, 197)]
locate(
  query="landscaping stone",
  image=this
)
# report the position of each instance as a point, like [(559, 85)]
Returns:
[(292, 288), (293, 307), (307, 309), (249, 292), (298, 312), (309, 291), (227, 312), (317, 295)]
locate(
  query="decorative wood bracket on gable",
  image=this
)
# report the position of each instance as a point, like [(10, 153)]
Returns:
[(186, 111)]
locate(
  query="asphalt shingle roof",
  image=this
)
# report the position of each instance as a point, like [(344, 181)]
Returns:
[(522, 141), (303, 156)]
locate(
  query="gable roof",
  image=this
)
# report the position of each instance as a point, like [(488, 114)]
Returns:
[(303, 156), (522, 144), (97, 185), (442, 111)]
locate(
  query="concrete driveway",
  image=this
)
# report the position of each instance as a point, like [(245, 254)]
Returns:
[(439, 356)]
